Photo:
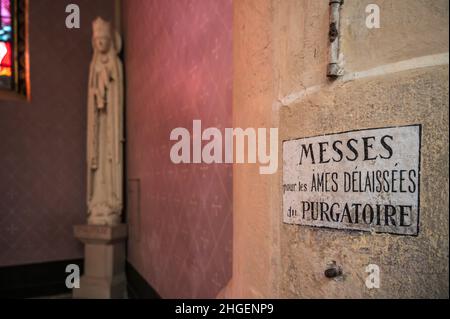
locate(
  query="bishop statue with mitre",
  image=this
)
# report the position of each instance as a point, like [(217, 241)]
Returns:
[(105, 133)]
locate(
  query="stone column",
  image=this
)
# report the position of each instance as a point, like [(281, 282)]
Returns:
[(104, 263)]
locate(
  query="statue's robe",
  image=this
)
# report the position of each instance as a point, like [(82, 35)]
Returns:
[(105, 141)]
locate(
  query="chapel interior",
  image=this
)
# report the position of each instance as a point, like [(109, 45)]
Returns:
[(92, 90)]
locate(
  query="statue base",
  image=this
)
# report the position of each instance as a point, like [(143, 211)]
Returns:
[(104, 261)]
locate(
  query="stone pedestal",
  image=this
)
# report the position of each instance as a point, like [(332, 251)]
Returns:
[(104, 261)]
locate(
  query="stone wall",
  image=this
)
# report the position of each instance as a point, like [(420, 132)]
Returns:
[(395, 75)]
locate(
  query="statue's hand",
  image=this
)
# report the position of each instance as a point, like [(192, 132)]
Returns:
[(100, 102), (94, 163)]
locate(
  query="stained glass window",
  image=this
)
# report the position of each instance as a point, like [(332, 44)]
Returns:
[(13, 62), (5, 44)]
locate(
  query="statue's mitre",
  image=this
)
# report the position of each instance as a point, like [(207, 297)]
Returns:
[(101, 28)]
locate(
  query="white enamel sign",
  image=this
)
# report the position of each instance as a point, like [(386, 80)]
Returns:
[(365, 180)]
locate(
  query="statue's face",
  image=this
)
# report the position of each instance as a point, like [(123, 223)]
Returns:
[(102, 44)]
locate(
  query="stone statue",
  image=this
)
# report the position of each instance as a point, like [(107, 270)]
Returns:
[(105, 134)]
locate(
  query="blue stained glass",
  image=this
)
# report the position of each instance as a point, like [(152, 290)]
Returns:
[(5, 19), (6, 36)]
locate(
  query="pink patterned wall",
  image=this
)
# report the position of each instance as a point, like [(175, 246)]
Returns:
[(42, 143), (178, 57)]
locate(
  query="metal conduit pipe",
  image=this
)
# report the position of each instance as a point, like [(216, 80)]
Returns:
[(334, 70)]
